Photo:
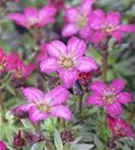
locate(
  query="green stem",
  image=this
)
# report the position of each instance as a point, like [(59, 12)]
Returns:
[(104, 65)]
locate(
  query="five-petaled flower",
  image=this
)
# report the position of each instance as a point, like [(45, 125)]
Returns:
[(119, 127), (67, 61), (31, 17), (108, 26), (43, 105), (110, 97), (77, 20)]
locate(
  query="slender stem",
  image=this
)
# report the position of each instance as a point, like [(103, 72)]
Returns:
[(80, 106), (104, 65)]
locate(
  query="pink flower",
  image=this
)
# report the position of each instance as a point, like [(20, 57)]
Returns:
[(2, 61), (119, 127), (2, 146), (17, 66), (68, 60), (77, 20), (43, 105), (31, 17), (110, 97), (108, 26)]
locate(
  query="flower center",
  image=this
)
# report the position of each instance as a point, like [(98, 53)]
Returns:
[(109, 97), (33, 21), (67, 63), (43, 107), (109, 28), (82, 21)]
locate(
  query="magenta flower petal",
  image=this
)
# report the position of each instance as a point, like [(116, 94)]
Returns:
[(48, 11), (37, 115), (3, 146), (117, 85), (68, 77), (57, 96), (114, 109), (87, 6), (61, 112), (117, 35), (95, 100), (46, 15), (86, 64), (71, 15), (76, 47), (100, 13), (25, 107), (31, 13), (33, 94), (98, 37), (49, 65), (19, 19), (69, 30), (127, 28), (56, 49), (124, 97), (114, 18), (97, 21), (86, 33), (98, 87)]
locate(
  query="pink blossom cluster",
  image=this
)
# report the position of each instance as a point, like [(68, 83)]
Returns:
[(94, 24), (69, 61), (111, 98), (12, 63)]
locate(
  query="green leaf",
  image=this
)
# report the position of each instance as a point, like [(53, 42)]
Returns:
[(58, 141), (38, 146)]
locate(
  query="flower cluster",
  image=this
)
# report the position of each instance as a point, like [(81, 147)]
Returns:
[(72, 65), (111, 97)]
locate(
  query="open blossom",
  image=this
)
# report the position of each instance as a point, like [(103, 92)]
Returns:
[(31, 17), (17, 66), (110, 97), (2, 146), (119, 127), (68, 60), (108, 26), (77, 20), (43, 105)]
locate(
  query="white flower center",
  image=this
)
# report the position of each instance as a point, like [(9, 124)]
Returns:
[(67, 63)]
